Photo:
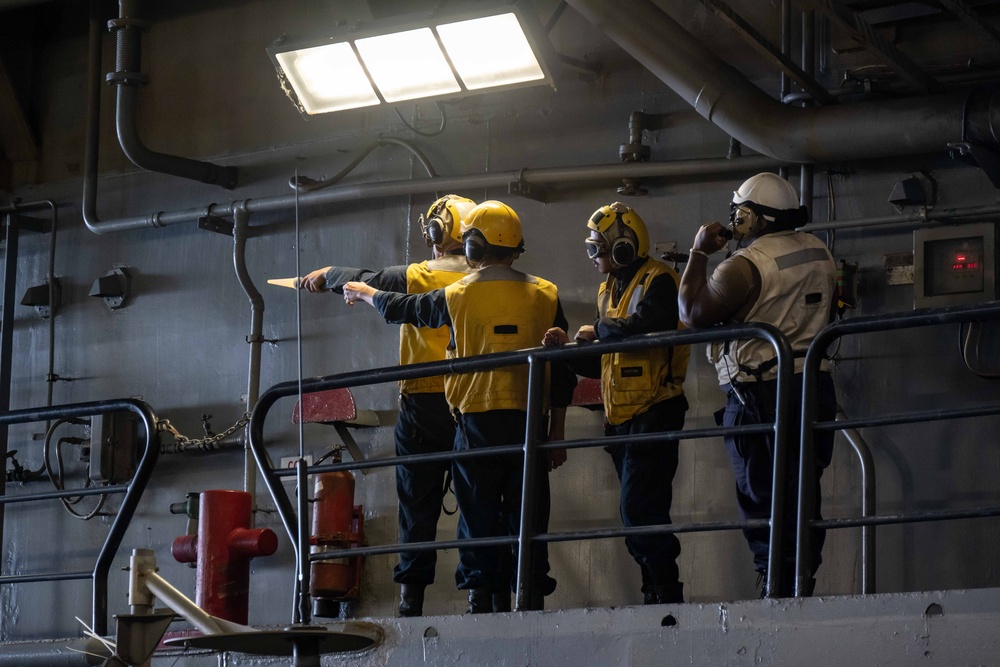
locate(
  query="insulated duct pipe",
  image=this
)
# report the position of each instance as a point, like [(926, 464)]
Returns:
[(128, 78), (724, 96), (377, 190)]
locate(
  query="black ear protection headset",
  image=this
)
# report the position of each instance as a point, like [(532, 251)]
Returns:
[(475, 245), (624, 250), (433, 228)]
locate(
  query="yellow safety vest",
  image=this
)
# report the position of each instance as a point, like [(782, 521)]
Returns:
[(496, 309), (631, 382), (420, 344)]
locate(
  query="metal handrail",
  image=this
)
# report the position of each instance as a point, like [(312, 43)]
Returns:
[(809, 425), (866, 466), (133, 492), (535, 358)]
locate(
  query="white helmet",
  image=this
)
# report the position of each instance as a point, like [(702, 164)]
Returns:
[(768, 190), (762, 199)]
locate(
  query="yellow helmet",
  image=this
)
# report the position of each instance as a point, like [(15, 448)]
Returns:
[(623, 235), (491, 223), (444, 219)]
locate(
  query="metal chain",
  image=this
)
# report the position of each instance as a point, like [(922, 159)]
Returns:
[(209, 442)]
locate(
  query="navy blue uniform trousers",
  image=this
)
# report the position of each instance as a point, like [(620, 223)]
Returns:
[(646, 473), (752, 458), (489, 496), (424, 426)]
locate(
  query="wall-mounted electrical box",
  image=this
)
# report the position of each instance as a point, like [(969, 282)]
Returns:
[(114, 447), (954, 265)]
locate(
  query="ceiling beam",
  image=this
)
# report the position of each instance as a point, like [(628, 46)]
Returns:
[(971, 18), (873, 42), (761, 45)]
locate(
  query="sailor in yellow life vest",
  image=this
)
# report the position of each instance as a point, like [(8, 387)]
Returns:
[(642, 391), (494, 309), (424, 424)]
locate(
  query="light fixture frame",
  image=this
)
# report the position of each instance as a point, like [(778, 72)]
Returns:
[(533, 31)]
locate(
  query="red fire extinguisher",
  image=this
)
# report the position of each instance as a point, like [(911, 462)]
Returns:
[(337, 524)]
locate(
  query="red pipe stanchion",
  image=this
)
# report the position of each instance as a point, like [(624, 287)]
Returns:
[(222, 549)]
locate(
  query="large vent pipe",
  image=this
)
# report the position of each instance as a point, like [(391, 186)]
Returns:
[(724, 96)]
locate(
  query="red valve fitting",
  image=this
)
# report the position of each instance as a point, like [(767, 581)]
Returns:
[(222, 549)]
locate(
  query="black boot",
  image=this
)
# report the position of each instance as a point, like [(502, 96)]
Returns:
[(480, 601), (787, 587), (501, 603), (648, 593), (536, 601), (411, 600), (761, 584), (669, 594)]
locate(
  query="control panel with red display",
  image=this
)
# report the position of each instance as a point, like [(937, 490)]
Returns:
[(954, 265)]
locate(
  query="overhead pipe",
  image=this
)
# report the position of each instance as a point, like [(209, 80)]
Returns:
[(325, 195), (786, 44), (128, 78), (920, 217), (786, 47), (724, 96), (706, 167), (635, 150), (809, 67), (241, 228), (91, 152)]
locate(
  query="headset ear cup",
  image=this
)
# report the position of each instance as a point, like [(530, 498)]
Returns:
[(623, 252), (475, 248), (435, 232)]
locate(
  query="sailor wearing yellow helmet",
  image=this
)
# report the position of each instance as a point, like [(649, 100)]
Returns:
[(642, 391), (424, 424), (494, 309)]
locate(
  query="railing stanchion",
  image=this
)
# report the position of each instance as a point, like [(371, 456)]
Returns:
[(529, 487)]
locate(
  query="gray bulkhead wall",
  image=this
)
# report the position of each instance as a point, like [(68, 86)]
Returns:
[(180, 341)]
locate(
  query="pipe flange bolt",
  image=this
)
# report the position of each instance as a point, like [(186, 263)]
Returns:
[(634, 152)]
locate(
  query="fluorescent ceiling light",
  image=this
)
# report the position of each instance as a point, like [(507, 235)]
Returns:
[(309, 73), (490, 51), (407, 65), (442, 57)]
